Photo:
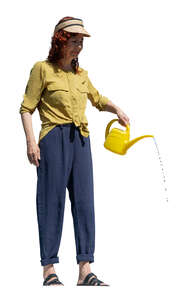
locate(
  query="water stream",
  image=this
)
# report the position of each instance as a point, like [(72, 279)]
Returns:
[(162, 168)]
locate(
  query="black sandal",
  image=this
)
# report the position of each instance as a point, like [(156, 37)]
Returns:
[(54, 281), (92, 281)]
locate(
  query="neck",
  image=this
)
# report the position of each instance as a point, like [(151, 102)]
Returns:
[(65, 64)]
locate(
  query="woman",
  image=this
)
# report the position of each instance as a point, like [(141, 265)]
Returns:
[(59, 88)]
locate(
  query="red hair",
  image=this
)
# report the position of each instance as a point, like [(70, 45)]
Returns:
[(59, 40)]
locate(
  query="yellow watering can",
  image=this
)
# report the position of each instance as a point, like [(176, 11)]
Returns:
[(118, 140)]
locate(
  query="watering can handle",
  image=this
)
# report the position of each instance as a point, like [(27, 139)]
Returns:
[(109, 125)]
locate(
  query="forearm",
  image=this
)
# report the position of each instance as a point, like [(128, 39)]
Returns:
[(27, 125), (111, 107)]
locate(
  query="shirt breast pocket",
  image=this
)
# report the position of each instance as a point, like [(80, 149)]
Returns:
[(82, 92), (58, 93), (82, 87)]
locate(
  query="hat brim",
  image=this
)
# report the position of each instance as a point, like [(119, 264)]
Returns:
[(77, 29)]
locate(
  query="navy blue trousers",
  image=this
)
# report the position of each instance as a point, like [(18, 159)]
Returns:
[(66, 162)]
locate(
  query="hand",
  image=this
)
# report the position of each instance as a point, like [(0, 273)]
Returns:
[(33, 153), (122, 118)]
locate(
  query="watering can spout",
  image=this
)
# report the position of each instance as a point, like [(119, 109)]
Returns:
[(132, 142)]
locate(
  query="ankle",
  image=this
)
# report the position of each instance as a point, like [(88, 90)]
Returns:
[(48, 268), (84, 268)]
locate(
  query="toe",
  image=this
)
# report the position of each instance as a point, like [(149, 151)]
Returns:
[(104, 284)]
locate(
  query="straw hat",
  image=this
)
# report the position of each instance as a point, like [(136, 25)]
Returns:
[(72, 25)]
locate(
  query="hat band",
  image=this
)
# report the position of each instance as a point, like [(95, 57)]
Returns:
[(72, 25), (70, 22), (64, 21)]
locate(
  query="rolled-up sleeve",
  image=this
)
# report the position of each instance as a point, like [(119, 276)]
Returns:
[(95, 97), (34, 88)]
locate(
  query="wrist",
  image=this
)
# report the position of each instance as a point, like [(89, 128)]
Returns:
[(30, 141), (118, 110)]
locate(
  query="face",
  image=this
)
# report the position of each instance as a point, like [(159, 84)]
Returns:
[(74, 46)]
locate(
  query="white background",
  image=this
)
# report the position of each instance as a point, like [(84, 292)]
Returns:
[(131, 58)]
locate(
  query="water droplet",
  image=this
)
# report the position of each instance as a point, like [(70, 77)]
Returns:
[(162, 168)]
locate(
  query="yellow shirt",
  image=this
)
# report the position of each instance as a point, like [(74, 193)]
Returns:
[(60, 96)]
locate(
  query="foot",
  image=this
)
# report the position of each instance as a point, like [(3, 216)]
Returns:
[(84, 270), (81, 280), (49, 269)]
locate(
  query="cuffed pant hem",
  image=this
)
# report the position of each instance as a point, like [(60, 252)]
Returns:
[(48, 261), (85, 257)]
